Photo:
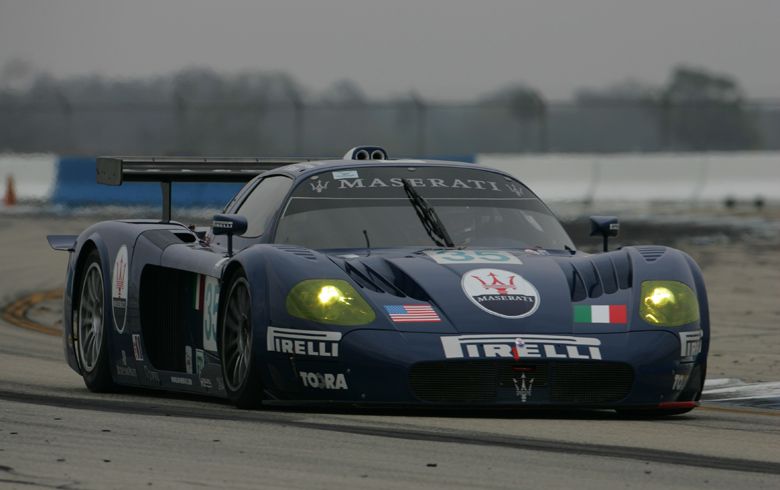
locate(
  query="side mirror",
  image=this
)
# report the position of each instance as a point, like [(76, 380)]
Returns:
[(606, 226), (229, 224)]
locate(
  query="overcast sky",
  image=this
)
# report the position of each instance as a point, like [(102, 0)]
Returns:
[(444, 49)]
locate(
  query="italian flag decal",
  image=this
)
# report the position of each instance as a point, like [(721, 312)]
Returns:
[(600, 314)]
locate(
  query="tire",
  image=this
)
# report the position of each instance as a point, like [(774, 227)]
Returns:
[(92, 318), (240, 367)]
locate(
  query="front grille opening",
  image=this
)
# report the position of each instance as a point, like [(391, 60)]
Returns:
[(575, 383)]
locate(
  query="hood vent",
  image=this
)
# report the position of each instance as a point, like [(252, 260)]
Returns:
[(595, 275), (382, 276), (651, 253), (299, 251), (370, 279)]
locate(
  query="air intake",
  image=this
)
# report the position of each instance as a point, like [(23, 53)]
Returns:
[(366, 153), (595, 275)]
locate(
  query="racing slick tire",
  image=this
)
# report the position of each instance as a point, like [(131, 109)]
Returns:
[(240, 369), (91, 317)]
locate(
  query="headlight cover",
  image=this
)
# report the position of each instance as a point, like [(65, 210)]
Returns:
[(330, 301), (668, 304)]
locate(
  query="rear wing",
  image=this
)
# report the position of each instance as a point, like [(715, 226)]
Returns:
[(166, 170)]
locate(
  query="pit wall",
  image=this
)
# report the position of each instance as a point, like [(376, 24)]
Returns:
[(648, 177)]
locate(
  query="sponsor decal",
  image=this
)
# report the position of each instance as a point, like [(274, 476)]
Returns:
[(220, 384), (345, 174), (303, 342), (180, 380), (690, 344), (188, 359), (200, 361), (119, 289), (151, 376), (412, 313), (122, 369), (205, 383), (523, 390), (600, 314), (223, 225), (501, 293), (138, 353), (319, 186), (680, 380), (472, 257), (526, 346), (376, 182), (326, 381), (207, 301)]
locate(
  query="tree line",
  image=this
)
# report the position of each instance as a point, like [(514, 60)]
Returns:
[(200, 111)]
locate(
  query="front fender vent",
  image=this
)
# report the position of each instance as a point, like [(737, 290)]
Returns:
[(299, 251), (651, 253)]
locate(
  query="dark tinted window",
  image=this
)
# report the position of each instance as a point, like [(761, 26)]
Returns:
[(263, 202), (478, 208)]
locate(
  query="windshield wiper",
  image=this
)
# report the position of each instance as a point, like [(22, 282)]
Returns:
[(428, 217)]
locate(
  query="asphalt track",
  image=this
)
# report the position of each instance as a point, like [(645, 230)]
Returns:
[(56, 434)]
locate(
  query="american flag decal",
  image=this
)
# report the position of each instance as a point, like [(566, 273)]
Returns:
[(412, 313)]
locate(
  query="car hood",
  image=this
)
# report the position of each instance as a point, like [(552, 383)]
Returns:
[(529, 292)]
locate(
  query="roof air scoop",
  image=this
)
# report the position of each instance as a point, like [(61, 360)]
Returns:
[(366, 153)]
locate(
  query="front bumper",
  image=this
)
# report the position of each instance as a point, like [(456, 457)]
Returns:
[(636, 369)]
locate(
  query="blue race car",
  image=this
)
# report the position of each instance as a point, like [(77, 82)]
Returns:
[(370, 281)]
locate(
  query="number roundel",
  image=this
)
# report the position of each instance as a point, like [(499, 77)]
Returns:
[(472, 257), (210, 313)]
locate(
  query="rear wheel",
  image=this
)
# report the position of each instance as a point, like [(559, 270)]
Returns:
[(239, 367), (90, 326)]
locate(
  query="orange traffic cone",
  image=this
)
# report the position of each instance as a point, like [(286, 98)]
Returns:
[(10, 192)]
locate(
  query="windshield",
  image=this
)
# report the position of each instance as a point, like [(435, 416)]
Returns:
[(345, 208)]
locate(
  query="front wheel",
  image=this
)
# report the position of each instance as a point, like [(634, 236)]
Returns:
[(239, 367), (90, 326)]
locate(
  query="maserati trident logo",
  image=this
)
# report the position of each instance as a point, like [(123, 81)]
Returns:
[(496, 284), (515, 188), (500, 293), (522, 389), (319, 186)]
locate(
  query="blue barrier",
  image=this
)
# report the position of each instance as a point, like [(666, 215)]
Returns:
[(75, 185)]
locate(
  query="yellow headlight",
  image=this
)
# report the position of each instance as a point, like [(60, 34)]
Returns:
[(330, 301), (668, 303), (330, 294)]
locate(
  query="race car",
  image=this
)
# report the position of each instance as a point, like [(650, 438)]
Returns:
[(373, 281)]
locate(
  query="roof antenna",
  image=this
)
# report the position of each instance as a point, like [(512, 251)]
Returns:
[(368, 243)]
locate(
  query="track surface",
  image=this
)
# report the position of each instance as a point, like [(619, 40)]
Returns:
[(54, 433)]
